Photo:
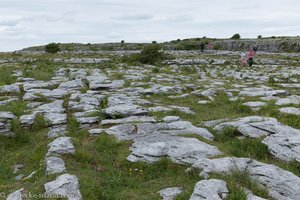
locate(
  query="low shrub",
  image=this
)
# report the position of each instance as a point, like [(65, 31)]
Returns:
[(52, 48)]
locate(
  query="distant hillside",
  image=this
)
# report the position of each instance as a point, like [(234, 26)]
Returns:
[(278, 44), (282, 44)]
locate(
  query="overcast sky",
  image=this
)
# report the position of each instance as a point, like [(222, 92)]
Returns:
[(26, 23)]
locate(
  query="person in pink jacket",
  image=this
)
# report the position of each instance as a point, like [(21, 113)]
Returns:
[(250, 57)]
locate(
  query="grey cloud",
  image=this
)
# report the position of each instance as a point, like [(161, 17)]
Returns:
[(33, 22), (9, 22), (177, 18), (134, 17)]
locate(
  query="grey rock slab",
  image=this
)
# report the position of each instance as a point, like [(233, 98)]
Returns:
[(57, 131), (5, 130), (286, 85), (71, 85), (115, 84), (179, 97), (17, 195), (282, 185), (27, 120), (124, 110), (170, 193), (263, 91), (65, 185), (88, 120), (55, 118), (255, 105), (283, 146), (61, 145), (87, 113), (214, 123), (185, 127), (56, 94), (118, 99), (250, 131), (159, 109), (54, 107), (131, 131), (187, 61), (183, 109), (96, 131), (33, 94), (241, 121), (213, 189), (80, 106), (123, 131), (6, 115), (272, 126), (269, 98), (5, 102), (54, 165), (160, 89), (33, 105), (179, 149), (94, 81), (209, 93), (218, 62), (131, 119), (251, 196), (171, 119), (13, 88), (293, 99), (290, 110)]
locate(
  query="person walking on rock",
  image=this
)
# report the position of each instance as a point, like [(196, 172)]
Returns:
[(250, 57), (202, 47), (244, 58)]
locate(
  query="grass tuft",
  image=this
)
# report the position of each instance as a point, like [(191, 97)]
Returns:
[(237, 180)]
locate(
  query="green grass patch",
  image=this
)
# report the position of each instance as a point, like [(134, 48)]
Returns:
[(42, 69), (237, 180), (27, 148), (6, 76), (271, 110), (220, 108), (104, 173), (39, 123), (18, 108)]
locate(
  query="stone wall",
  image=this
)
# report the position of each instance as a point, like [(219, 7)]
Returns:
[(268, 45)]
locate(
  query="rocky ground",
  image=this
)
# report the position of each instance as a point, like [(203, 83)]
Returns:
[(199, 126)]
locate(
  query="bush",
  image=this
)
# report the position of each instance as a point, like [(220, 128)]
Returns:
[(217, 47), (236, 36), (52, 48), (151, 54), (6, 78), (39, 123)]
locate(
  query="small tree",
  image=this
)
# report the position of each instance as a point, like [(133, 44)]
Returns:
[(151, 54), (259, 36), (122, 41), (52, 48), (236, 36)]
